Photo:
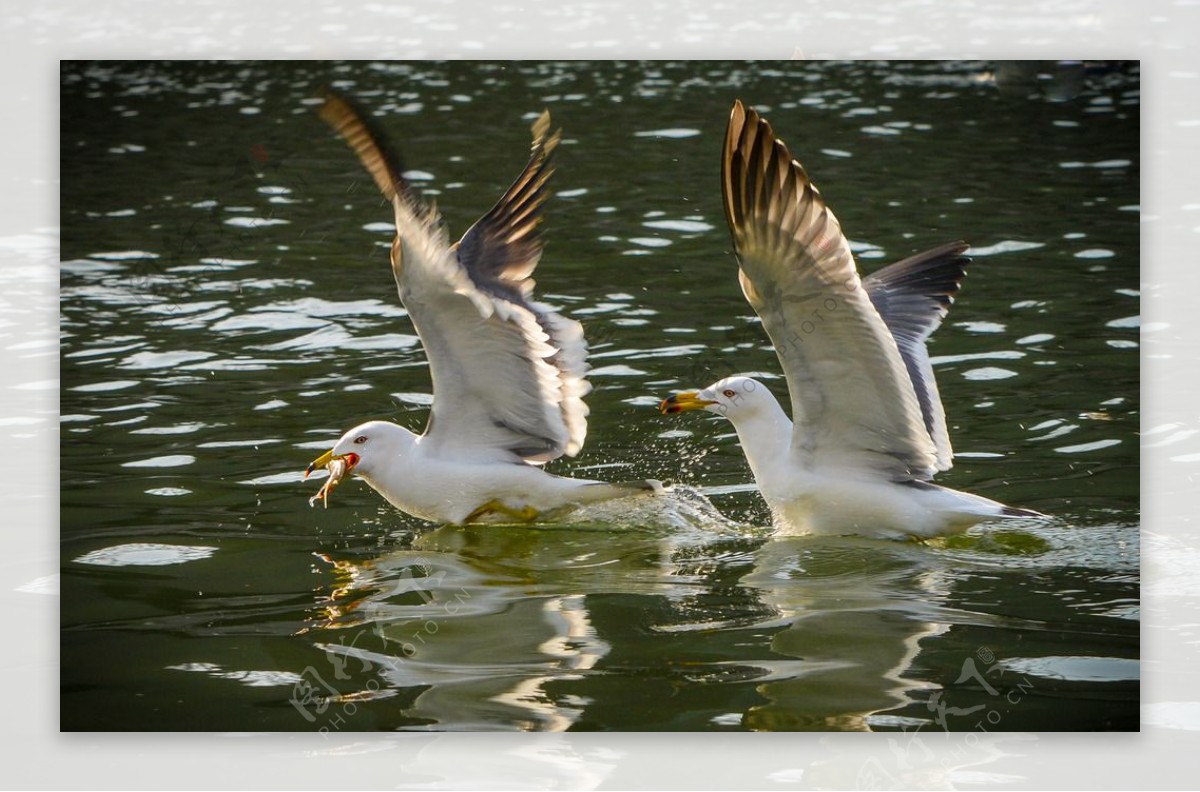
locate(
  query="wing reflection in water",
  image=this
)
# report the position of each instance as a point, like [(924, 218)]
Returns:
[(495, 627), (850, 612), (479, 622), (424, 622), (518, 628)]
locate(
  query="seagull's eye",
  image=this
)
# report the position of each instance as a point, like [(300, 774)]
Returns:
[(360, 439), (729, 393)]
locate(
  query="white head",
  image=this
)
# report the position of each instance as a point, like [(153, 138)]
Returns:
[(733, 397), (368, 447)]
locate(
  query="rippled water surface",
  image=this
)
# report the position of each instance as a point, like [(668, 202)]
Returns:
[(227, 311)]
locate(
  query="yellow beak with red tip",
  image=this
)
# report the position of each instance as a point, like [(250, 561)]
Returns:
[(684, 402), (319, 462)]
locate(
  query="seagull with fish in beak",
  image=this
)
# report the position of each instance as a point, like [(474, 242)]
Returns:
[(509, 372)]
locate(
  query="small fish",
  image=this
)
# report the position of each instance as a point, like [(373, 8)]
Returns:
[(338, 468)]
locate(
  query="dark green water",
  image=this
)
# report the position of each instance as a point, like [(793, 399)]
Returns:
[(227, 311)]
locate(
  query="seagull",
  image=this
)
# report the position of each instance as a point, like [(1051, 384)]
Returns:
[(509, 372), (869, 429)]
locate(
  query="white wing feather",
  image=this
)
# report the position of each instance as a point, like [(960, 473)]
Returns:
[(853, 402), (508, 372)]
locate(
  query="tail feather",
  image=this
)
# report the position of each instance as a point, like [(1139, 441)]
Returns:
[(1013, 511)]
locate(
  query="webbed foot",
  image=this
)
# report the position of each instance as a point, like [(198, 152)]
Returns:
[(523, 514)]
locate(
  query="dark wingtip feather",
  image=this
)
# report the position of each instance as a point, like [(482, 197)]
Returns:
[(368, 140), (505, 244), (542, 138), (937, 273), (761, 182)]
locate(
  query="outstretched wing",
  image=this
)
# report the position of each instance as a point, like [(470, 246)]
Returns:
[(508, 372), (913, 296), (853, 402)]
